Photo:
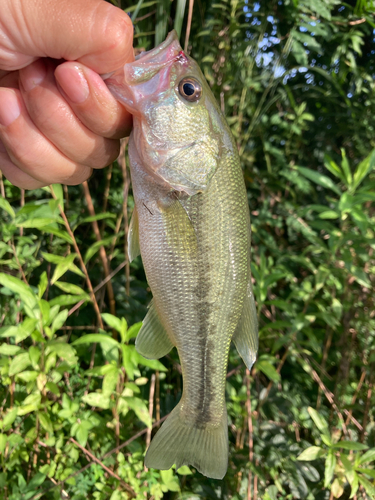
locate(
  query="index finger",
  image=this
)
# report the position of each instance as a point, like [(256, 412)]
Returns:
[(93, 32)]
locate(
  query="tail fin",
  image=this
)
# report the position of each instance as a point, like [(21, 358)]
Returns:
[(180, 443)]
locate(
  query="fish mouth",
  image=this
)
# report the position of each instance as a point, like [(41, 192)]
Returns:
[(148, 74)]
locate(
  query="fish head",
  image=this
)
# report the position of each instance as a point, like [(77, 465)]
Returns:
[(179, 131)]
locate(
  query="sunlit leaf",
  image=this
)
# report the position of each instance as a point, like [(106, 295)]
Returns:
[(320, 179), (312, 453)]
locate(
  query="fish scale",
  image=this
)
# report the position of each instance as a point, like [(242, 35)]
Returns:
[(191, 226)]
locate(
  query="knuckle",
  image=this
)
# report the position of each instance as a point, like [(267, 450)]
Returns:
[(81, 174)]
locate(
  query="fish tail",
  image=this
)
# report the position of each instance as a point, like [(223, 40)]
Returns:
[(182, 443)]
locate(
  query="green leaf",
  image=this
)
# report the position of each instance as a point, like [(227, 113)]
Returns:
[(92, 338), (346, 168), (3, 442), (110, 381), (9, 418), (19, 287), (369, 487), (129, 358), (9, 349), (36, 481), (19, 363), (350, 445), (38, 222), (170, 481), (28, 375), (97, 399), (268, 370), (184, 471), (117, 324), (82, 435), (59, 321), (311, 453), (329, 214), (363, 169), (326, 439), (369, 472), (369, 456), (360, 277), (100, 216), (319, 421), (34, 354), (52, 387), (30, 404), (45, 422), (70, 288), (140, 409), (133, 331), (354, 484), (54, 229), (68, 300), (151, 363), (346, 462), (63, 267), (337, 488), (63, 350), (91, 251), (320, 179), (329, 468), (333, 168), (43, 283), (179, 16), (5, 205), (58, 192)]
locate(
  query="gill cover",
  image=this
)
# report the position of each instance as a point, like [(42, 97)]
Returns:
[(175, 133)]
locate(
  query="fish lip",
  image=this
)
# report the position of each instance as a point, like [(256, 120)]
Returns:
[(129, 83), (166, 53)]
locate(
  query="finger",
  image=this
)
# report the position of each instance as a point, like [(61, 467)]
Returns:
[(55, 119), (9, 79), (29, 150), (94, 32), (92, 102), (14, 174)]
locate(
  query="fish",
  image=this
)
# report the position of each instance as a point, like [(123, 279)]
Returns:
[(191, 226)]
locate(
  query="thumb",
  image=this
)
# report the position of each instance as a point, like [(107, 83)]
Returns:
[(94, 32)]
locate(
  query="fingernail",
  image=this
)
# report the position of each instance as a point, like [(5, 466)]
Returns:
[(10, 108), (73, 82), (33, 75)]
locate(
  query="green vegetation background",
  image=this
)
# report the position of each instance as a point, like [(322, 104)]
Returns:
[(296, 82)]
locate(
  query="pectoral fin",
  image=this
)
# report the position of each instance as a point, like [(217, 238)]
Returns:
[(152, 340), (180, 234), (133, 237), (245, 337)]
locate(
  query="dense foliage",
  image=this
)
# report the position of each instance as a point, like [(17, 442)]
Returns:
[(77, 403)]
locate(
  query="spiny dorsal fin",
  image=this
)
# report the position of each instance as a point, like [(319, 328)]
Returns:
[(152, 340), (245, 337), (133, 237)]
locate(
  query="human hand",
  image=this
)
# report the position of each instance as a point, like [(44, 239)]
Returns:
[(58, 120)]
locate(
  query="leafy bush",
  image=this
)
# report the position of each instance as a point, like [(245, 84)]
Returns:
[(78, 404)]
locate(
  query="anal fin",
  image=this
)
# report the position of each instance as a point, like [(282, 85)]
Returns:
[(152, 341), (133, 237), (245, 337)]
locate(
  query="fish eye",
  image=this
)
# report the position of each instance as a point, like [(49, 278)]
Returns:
[(190, 89)]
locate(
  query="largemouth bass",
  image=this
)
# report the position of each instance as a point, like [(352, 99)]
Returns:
[(191, 225)]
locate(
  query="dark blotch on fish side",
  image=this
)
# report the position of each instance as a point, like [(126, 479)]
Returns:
[(204, 308)]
